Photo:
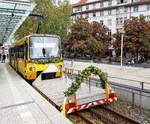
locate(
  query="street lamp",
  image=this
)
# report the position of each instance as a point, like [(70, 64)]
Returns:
[(122, 38)]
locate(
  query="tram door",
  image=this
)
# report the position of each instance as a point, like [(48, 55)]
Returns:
[(25, 56)]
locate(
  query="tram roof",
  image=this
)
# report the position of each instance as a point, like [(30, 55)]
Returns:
[(12, 15), (22, 40)]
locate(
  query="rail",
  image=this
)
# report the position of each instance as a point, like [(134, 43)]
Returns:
[(84, 118), (104, 114), (110, 116)]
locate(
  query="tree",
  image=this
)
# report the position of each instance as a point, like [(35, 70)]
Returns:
[(136, 37), (56, 20), (75, 42), (117, 43), (86, 39), (30, 25), (100, 33)]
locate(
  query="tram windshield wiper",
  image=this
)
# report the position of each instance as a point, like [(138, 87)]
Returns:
[(44, 52)]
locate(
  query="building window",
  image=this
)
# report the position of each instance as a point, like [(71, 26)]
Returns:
[(109, 33), (78, 16), (117, 21), (148, 7), (135, 9), (109, 21), (94, 6), (125, 9), (121, 1), (133, 1), (87, 7), (109, 12), (102, 22), (148, 18), (101, 4), (94, 14), (121, 20), (101, 13), (125, 19), (125, 1), (109, 2), (78, 9), (87, 16)]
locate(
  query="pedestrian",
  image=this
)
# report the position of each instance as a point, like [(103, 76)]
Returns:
[(0, 56), (3, 58), (132, 61)]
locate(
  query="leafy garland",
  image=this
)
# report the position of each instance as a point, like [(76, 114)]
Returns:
[(84, 74), (44, 61)]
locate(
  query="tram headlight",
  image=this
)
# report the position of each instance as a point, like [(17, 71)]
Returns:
[(32, 68), (59, 68)]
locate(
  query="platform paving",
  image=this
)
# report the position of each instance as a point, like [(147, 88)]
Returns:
[(54, 90), (21, 104)]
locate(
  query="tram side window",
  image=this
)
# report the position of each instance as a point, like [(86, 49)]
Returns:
[(15, 52), (21, 51), (10, 52), (25, 51)]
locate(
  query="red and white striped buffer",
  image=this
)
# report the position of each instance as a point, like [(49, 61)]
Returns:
[(71, 109)]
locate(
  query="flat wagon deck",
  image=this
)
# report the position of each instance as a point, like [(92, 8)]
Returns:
[(54, 89)]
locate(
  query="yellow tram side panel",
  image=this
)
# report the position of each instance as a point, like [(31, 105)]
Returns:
[(19, 64)]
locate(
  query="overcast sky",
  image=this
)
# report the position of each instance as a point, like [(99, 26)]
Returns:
[(74, 1)]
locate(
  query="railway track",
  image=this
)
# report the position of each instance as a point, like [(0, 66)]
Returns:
[(103, 115), (84, 117), (87, 120), (109, 116)]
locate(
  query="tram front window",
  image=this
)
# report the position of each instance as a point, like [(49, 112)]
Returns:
[(44, 47)]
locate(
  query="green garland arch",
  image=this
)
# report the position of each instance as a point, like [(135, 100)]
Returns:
[(84, 74)]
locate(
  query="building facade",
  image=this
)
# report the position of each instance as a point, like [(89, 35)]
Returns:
[(112, 13), (59, 2)]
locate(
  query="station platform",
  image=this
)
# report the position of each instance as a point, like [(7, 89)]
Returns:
[(22, 104)]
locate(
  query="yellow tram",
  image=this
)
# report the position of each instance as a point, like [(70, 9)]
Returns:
[(32, 54)]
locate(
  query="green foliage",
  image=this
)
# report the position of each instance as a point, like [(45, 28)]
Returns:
[(86, 39), (136, 37), (100, 32), (46, 61), (83, 75), (56, 20), (30, 25)]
